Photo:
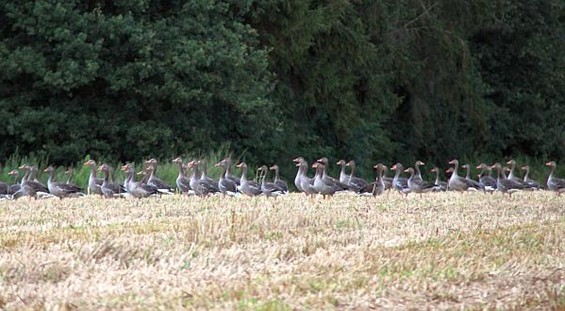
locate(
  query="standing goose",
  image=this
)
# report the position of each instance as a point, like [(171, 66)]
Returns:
[(136, 189), (33, 187), (225, 185), (200, 186), (270, 189), (506, 185), (456, 182), (321, 186), (16, 186), (438, 184), (94, 183), (342, 175), (278, 181), (400, 183), (530, 183), (417, 185), (61, 190), (183, 183), (306, 182), (154, 181), (248, 187), (109, 189), (228, 165), (417, 173), (298, 179), (554, 183), (354, 182), (488, 183), (511, 175), (26, 188), (212, 184), (339, 186), (378, 186), (473, 184)]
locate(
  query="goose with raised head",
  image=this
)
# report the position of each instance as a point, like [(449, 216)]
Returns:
[(228, 165), (342, 175), (321, 186), (398, 182), (297, 178), (38, 189), (212, 184), (183, 182), (456, 182), (94, 182), (200, 186), (269, 189), (487, 182), (506, 185), (417, 173), (473, 184), (137, 189), (554, 183), (511, 175), (61, 190), (26, 187), (226, 186), (109, 189), (417, 185), (338, 185), (306, 183), (248, 187), (530, 183), (154, 181), (353, 182), (378, 186), (439, 185), (16, 186), (278, 181)]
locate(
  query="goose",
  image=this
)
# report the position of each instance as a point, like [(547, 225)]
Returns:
[(228, 165), (339, 186), (378, 186), (183, 182), (473, 184), (61, 190), (29, 186), (554, 183), (154, 181), (321, 186), (109, 189), (488, 183), (438, 184), (212, 184), (530, 183), (400, 183), (16, 186), (456, 182), (417, 185), (298, 179), (94, 183), (506, 185), (248, 187), (278, 181), (136, 189), (269, 189), (306, 183), (342, 175), (225, 185), (200, 186), (354, 182), (417, 173)]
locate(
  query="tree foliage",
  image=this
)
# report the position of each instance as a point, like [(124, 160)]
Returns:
[(367, 80)]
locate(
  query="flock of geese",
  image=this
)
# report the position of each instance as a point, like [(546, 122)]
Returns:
[(200, 184)]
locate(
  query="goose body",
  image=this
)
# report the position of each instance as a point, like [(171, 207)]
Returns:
[(61, 190), (94, 183), (321, 186), (248, 187), (417, 185), (487, 182), (109, 189), (278, 181), (506, 185), (226, 186), (269, 189), (400, 183), (438, 184), (378, 186), (554, 183)]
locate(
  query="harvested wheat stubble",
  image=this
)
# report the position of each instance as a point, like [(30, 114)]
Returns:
[(444, 251)]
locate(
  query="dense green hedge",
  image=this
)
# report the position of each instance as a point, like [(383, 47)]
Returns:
[(374, 81)]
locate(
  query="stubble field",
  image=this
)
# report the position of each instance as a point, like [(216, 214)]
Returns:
[(442, 251)]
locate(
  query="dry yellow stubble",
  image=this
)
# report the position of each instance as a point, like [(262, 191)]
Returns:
[(444, 251)]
